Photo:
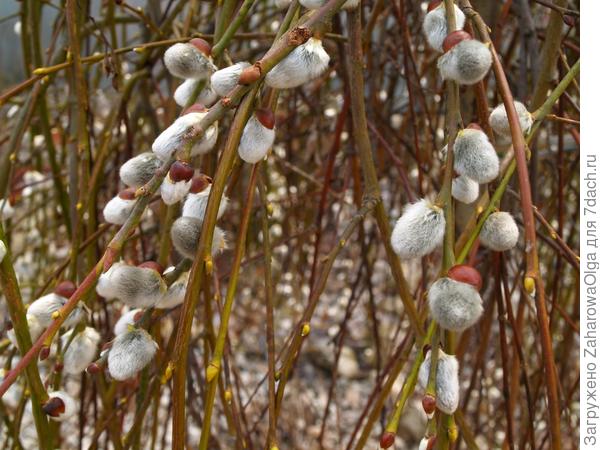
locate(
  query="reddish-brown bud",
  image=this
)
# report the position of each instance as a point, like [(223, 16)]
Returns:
[(54, 407), (265, 117), (94, 368), (474, 126), (433, 4), (65, 289), (199, 183), (44, 353), (431, 443), (201, 45), (466, 274), (249, 75), (387, 439), (137, 316), (195, 108), (127, 194), (181, 171), (455, 38), (58, 367), (428, 404), (152, 265)]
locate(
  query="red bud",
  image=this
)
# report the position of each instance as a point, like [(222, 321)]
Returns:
[(431, 443), (54, 407), (201, 45), (265, 117), (433, 4), (93, 368), (428, 404), (466, 274), (387, 439), (58, 367), (181, 171), (152, 265), (65, 289), (44, 353), (455, 38), (199, 183), (127, 194)]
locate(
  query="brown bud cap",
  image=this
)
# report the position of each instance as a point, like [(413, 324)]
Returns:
[(94, 368), (106, 346), (454, 38), (152, 265), (431, 442), (465, 274), (433, 4), (265, 117), (199, 183), (54, 407), (474, 126), (195, 108), (201, 45), (138, 315), (249, 75), (44, 353), (58, 367), (127, 194), (181, 171), (426, 349), (65, 289), (428, 404), (387, 439)]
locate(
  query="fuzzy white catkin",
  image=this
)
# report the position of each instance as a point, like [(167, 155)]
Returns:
[(71, 406), (2, 251), (499, 119), (207, 142), (117, 210), (137, 287), (475, 156), (185, 234), (306, 62), (195, 205), (256, 141), (447, 390), (464, 189), (35, 330), (130, 353), (81, 351), (175, 294), (225, 80), (499, 232), (316, 4), (185, 90), (138, 170), (127, 319), (184, 60), (466, 63), (172, 192), (435, 26), (43, 308), (6, 211), (455, 306), (423, 443), (419, 230), (172, 138)]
